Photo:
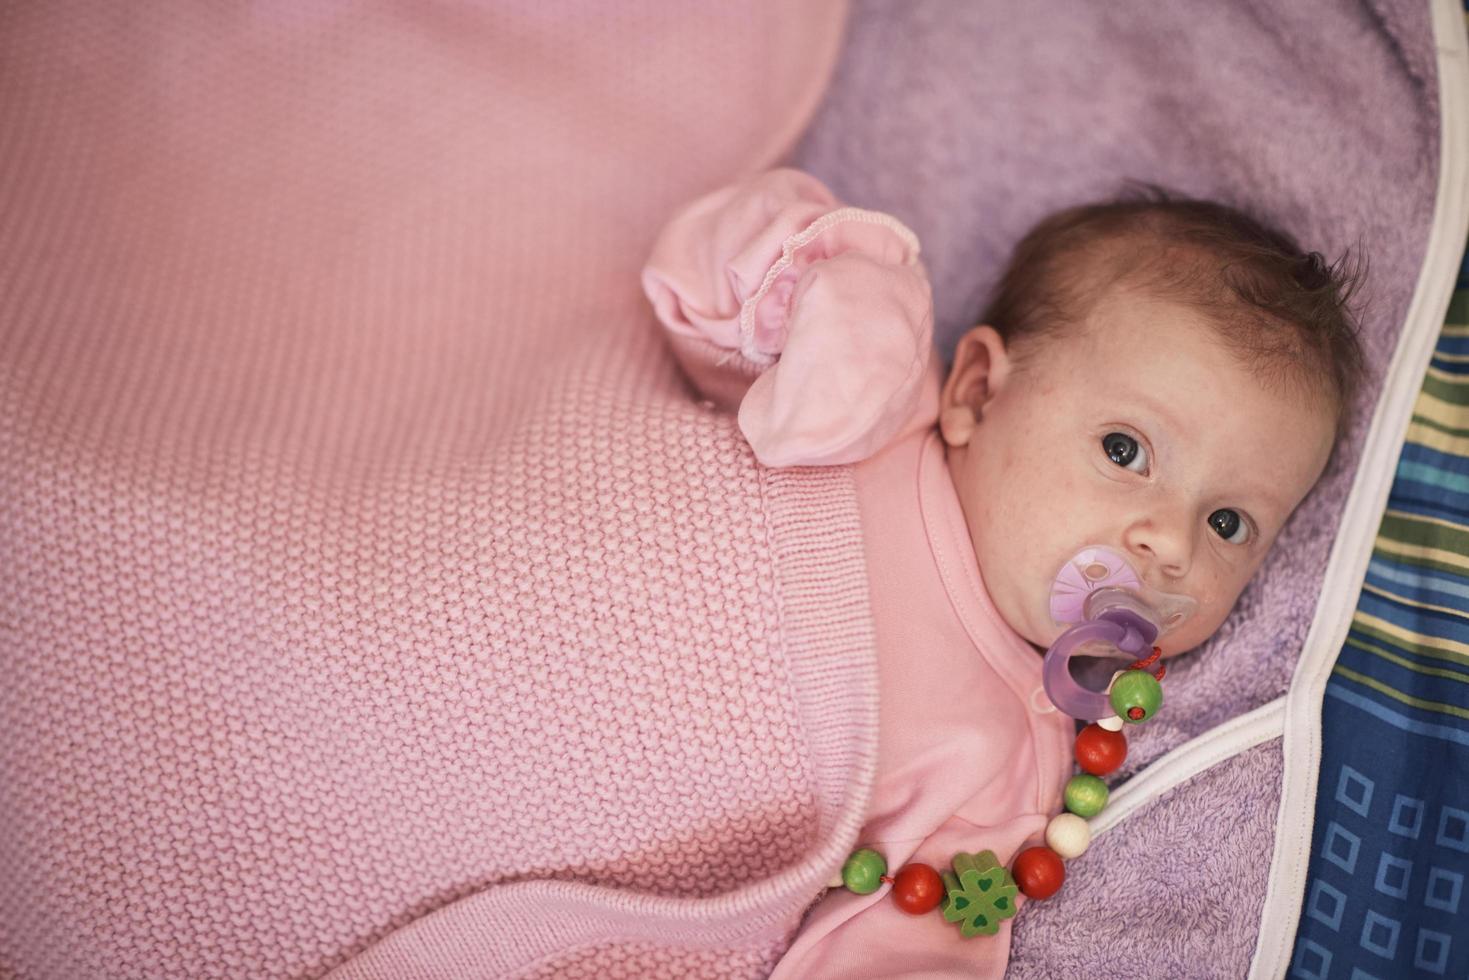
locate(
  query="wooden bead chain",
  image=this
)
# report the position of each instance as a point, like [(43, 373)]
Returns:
[(977, 892)]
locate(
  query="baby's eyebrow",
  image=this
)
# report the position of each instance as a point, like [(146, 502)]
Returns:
[(1154, 406), (1263, 493)]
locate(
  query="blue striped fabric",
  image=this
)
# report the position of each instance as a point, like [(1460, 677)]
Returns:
[(1387, 894)]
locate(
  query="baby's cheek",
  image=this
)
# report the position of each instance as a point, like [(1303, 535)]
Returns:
[(1216, 597), (1063, 506)]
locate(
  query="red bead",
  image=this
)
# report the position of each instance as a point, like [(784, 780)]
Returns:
[(918, 889), (1039, 872), (1099, 751)]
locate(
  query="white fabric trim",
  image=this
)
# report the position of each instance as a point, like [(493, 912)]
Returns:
[(1190, 759), (1347, 567)]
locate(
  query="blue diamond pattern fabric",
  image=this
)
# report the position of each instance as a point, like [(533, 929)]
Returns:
[(1384, 895)]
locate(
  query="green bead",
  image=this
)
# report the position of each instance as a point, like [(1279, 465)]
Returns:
[(863, 871), (1086, 795), (1137, 696), (979, 894)]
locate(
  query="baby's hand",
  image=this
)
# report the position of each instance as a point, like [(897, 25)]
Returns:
[(826, 307)]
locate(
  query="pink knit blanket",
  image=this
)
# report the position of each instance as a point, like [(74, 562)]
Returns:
[(373, 593)]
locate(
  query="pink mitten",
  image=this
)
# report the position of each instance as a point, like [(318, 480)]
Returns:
[(832, 299)]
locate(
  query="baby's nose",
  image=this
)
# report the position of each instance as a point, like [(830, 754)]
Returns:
[(1162, 541)]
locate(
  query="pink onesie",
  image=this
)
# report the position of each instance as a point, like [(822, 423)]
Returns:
[(815, 321)]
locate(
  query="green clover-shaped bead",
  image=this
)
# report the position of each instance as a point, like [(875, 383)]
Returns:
[(980, 894)]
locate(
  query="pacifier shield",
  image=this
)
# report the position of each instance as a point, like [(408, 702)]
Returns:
[(1088, 570)]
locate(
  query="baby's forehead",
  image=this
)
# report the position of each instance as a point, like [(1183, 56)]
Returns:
[(1145, 331), (1233, 339)]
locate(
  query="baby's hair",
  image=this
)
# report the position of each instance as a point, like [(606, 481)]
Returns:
[(1285, 312)]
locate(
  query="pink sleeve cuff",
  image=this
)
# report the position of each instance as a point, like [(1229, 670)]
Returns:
[(833, 299)]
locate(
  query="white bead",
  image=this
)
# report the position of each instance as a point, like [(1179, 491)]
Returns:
[(1111, 723), (1068, 835), (836, 881)]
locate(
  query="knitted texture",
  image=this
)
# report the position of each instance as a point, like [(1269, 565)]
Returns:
[(373, 594)]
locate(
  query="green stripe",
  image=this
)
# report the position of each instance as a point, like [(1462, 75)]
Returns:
[(1413, 665), (1455, 393), (1410, 529), (1429, 423), (1437, 707), (1459, 308), (1420, 645)]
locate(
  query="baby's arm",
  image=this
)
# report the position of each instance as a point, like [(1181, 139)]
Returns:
[(814, 320)]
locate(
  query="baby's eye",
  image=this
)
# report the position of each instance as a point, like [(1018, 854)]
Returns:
[(1124, 450), (1229, 526)]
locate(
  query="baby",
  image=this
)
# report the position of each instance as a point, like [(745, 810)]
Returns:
[(1161, 379)]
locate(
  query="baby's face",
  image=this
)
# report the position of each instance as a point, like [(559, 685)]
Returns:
[(1138, 431)]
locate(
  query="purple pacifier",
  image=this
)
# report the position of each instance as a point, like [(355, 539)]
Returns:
[(1108, 609)]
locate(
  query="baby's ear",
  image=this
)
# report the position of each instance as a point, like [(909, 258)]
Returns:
[(981, 368)]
